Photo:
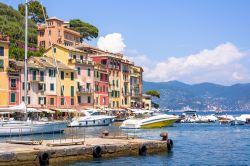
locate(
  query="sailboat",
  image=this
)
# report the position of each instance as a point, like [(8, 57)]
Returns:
[(28, 127)]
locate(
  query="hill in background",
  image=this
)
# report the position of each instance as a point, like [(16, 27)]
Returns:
[(176, 95)]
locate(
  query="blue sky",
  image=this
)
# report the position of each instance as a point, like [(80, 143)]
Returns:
[(156, 31)]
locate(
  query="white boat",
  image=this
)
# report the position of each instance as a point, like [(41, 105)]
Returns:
[(19, 128), (155, 121), (225, 118), (91, 118)]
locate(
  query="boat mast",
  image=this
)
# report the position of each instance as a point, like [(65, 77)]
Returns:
[(25, 58)]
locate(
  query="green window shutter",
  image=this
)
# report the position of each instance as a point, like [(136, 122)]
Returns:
[(44, 99), (116, 83), (12, 97), (1, 64), (72, 91), (62, 75), (72, 76)]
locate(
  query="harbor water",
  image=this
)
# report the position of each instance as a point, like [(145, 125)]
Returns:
[(194, 144)]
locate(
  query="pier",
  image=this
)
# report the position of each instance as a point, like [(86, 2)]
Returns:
[(60, 151)]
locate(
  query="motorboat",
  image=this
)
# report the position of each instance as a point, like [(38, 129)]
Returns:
[(19, 128), (91, 118), (225, 119), (190, 116), (153, 121), (241, 120)]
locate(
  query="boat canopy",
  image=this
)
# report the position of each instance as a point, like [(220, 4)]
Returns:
[(19, 108), (65, 110)]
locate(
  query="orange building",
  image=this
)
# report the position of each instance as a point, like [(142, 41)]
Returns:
[(59, 32), (4, 64)]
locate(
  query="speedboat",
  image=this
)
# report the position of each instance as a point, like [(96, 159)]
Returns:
[(155, 121), (225, 119), (91, 118)]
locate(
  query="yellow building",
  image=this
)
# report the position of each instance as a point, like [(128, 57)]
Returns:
[(84, 72), (4, 63)]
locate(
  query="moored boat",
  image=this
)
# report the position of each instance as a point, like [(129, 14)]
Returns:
[(91, 118), (156, 121)]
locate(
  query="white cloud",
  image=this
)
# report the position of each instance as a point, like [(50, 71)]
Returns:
[(112, 43), (223, 64)]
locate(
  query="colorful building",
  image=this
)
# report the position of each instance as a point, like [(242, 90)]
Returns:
[(125, 83), (84, 67), (45, 89), (136, 86), (4, 64), (59, 33), (101, 86)]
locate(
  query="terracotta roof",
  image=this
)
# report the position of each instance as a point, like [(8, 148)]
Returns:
[(50, 63)]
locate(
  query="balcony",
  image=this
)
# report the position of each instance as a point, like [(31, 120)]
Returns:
[(81, 90)]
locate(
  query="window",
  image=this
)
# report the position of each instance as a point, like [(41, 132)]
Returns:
[(103, 88), (113, 82), (72, 101), (33, 75), (100, 89), (49, 32), (72, 91), (126, 101), (62, 101), (41, 75), (62, 90), (88, 86), (62, 75), (74, 56), (51, 101), (41, 33), (79, 71), (40, 99), (13, 83), (89, 99), (13, 97), (117, 83), (52, 88), (72, 76), (97, 74), (89, 73), (54, 49), (1, 51), (79, 99), (51, 73), (42, 43), (1, 64), (81, 57)]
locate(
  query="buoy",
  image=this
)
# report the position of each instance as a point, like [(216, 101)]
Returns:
[(170, 144), (44, 159), (97, 152), (164, 136), (142, 150)]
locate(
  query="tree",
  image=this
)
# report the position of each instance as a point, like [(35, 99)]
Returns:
[(12, 23), (153, 93), (86, 30), (34, 10)]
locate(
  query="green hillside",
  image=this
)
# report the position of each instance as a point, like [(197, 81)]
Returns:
[(12, 23)]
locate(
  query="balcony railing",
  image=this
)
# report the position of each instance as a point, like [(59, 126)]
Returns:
[(83, 90)]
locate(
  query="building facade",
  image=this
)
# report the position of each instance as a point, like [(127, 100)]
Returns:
[(84, 72), (59, 33), (4, 63)]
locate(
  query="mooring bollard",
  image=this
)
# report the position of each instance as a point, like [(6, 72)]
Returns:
[(105, 132), (164, 136)]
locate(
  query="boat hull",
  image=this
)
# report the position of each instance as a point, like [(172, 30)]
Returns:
[(91, 123), (159, 124), (31, 129)]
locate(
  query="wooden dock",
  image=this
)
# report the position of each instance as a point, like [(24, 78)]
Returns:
[(65, 151)]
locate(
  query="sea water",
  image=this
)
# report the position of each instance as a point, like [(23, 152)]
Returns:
[(194, 144)]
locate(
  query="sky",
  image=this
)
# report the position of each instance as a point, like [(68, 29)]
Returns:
[(191, 41)]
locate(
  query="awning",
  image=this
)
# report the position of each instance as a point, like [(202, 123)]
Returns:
[(65, 110), (19, 108), (48, 111), (33, 110)]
